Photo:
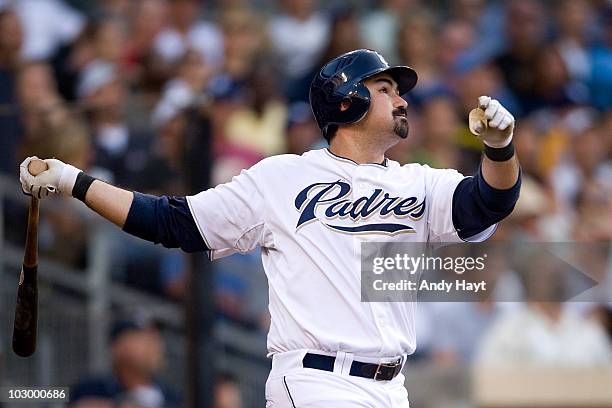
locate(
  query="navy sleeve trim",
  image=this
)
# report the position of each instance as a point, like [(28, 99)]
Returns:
[(477, 205), (165, 220)]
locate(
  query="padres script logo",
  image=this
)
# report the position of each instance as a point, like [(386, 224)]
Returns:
[(332, 196)]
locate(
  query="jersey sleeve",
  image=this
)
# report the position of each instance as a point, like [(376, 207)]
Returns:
[(231, 216), (441, 185)]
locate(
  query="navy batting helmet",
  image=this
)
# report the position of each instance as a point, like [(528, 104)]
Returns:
[(342, 78)]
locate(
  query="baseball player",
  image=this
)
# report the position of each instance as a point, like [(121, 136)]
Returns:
[(310, 213)]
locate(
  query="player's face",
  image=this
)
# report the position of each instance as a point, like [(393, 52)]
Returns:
[(387, 111)]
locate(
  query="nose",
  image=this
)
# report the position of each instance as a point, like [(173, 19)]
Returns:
[(399, 102)]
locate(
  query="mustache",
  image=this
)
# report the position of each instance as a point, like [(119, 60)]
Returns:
[(400, 112)]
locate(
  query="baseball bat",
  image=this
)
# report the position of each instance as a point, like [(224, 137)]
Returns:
[(26, 309)]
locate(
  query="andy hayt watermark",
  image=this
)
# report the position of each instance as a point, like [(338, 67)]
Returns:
[(465, 272), (417, 265)]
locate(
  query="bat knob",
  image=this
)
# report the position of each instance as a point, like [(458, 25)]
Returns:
[(477, 121), (37, 166)]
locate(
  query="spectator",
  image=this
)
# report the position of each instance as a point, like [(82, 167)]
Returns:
[(455, 38), (11, 40), (187, 90), (585, 164), (531, 216), (121, 151), (302, 132), (117, 8), (244, 41), (487, 18), (594, 206), (526, 28), (41, 105), (300, 19), (240, 292), (573, 20), (186, 31), (440, 131), (72, 58), (417, 48), (227, 393), (48, 24), (344, 37), (458, 328), (110, 39), (256, 129), (146, 20), (601, 58), (137, 353), (380, 26), (551, 83), (528, 146), (551, 335)]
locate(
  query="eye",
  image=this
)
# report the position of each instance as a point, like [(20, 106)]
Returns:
[(384, 89)]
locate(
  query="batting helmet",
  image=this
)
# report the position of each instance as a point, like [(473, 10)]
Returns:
[(342, 78)]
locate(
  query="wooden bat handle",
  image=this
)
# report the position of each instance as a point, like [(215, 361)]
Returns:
[(37, 166), (30, 257)]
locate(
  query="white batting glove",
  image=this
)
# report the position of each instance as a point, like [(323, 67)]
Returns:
[(492, 123), (59, 178)]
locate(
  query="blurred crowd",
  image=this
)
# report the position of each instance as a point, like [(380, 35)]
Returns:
[(171, 96)]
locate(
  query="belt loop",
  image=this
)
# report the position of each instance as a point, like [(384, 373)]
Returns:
[(339, 363), (348, 362)]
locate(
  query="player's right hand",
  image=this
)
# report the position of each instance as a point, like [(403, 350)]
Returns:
[(491, 122), (59, 178)]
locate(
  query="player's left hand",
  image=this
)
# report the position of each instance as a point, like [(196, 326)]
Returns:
[(491, 123), (59, 178)]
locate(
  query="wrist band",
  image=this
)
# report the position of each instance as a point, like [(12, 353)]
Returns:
[(81, 185), (499, 154)]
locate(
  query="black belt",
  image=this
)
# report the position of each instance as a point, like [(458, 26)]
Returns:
[(379, 372)]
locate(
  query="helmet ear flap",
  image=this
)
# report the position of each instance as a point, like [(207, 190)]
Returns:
[(352, 107), (359, 103)]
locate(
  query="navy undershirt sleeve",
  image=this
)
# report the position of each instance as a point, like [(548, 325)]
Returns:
[(165, 220), (477, 205)]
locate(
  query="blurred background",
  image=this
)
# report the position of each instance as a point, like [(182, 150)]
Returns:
[(172, 96)]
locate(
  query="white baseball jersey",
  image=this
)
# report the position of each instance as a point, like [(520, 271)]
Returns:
[(310, 214)]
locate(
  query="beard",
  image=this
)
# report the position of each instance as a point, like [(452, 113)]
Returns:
[(401, 127)]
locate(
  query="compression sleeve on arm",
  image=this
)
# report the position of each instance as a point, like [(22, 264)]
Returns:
[(477, 205), (165, 220)]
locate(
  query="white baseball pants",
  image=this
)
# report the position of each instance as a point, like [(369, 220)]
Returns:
[(290, 385)]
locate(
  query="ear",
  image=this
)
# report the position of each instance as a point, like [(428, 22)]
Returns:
[(345, 104)]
